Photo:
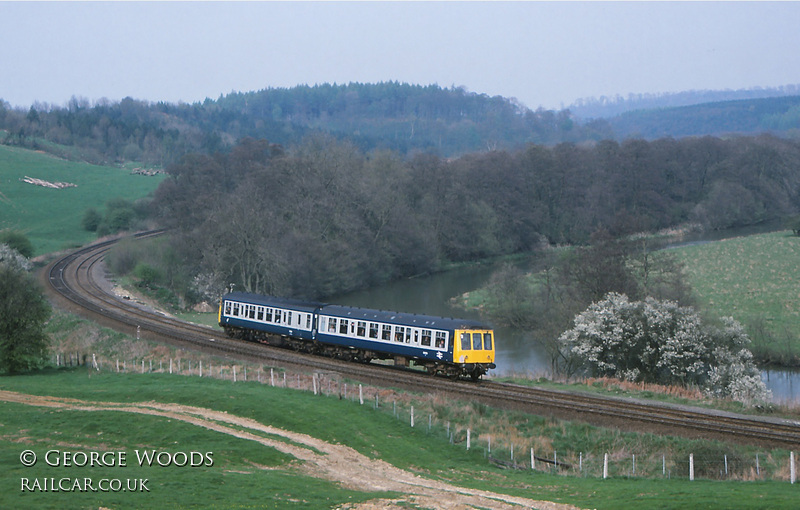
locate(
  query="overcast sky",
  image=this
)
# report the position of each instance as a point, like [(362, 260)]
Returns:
[(544, 54)]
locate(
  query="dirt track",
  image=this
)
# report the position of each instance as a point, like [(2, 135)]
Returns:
[(316, 458)]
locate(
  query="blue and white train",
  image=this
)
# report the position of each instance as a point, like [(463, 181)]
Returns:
[(451, 347)]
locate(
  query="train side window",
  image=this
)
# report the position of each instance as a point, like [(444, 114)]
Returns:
[(477, 339), (343, 323), (399, 333), (227, 307), (362, 329), (288, 318), (251, 311), (278, 316), (487, 341), (268, 317), (236, 309), (426, 337), (260, 315), (441, 339), (331, 325), (386, 333), (308, 321), (373, 330), (416, 337), (465, 342), (408, 335)]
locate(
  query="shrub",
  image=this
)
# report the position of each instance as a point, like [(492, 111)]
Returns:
[(661, 342)]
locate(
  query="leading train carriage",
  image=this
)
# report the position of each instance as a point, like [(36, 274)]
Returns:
[(452, 347)]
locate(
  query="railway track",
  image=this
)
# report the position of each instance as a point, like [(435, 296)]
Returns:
[(76, 282)]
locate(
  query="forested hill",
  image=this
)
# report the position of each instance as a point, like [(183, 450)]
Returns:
[(406, 119), (747, 116), (400, 117)]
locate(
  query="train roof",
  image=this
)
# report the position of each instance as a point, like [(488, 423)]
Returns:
[(356, 313), (406, 319), (274, 302)]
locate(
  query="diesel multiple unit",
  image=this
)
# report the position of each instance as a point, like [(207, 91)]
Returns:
[(451, 347)]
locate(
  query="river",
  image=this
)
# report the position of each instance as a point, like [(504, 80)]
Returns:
[(517, 351)]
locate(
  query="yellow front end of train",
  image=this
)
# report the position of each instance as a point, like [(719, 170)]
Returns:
[(474, 346)]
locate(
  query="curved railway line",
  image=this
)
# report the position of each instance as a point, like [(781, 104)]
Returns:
[(76, 283)]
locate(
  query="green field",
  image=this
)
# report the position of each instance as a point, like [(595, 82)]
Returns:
[(756, 280), (51, 218), (254, 469)]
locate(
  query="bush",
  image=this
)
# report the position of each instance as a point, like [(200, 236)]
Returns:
[(17, 241), (661, 342), (149, 275), (91, 220)]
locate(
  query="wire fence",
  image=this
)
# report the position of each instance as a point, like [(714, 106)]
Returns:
[(716, 465)]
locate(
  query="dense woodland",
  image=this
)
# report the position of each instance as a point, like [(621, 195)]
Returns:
[(406, 119), (323, 216)]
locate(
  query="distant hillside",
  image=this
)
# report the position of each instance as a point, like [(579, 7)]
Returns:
[(396, 116), (606, 107), (749, 116), (404, 118)]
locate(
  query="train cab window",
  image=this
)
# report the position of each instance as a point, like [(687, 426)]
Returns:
[(441, 339), (487, 341), (399, 333), (386, 332), (331, 325), (343, 323), (477, 341), (426, 337), (362, 329), (373, 330), (466, 345)]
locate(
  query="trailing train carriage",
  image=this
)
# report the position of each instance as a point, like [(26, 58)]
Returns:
[(253, 317), (452, 347)]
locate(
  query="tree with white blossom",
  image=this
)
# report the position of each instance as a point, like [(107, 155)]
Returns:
[(662, 342)]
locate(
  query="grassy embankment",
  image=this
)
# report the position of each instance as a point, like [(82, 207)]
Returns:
[(51, 218), (250, 474)]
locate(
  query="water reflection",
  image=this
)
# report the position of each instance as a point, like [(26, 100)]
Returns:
[(784, 384)]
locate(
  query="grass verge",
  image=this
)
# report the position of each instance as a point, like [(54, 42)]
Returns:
[(246, 474)]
